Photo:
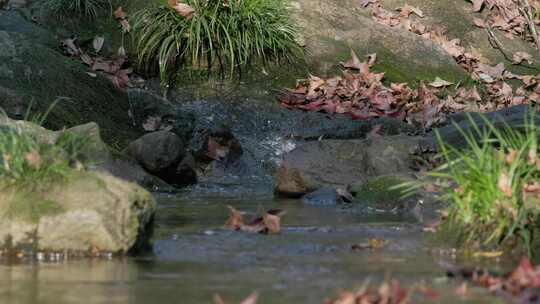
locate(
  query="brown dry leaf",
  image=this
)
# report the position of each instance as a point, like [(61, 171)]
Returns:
[(33, 159), (98, 43), (182, 9), (479, 22), (477, 5), (272, 223), (505, 184), (519, 57), (235, 220), (119, 13), (439, 83), (511, 156), (353, 63), (251, 299)]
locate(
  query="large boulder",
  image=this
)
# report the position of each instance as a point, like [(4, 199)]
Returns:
[(91, 211), (77, 210), (338, 163), (34, 74), (330, 29)]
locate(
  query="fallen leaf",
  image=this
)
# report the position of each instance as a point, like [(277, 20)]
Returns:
[(353, 62), (33, 159), (505, 184), (182, 9), (119, 13), (235, 220), (519, 57), (439, 83), (98, 43), (477, 5)]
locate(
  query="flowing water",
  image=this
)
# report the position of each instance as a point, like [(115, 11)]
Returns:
[(194, 257)]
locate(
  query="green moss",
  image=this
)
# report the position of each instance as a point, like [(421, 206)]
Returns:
[(42, 76), (31, 207), (379, 191)]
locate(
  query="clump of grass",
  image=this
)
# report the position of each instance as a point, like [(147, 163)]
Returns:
[(218, 34), (26, 162), (85, 8), (494, 192)]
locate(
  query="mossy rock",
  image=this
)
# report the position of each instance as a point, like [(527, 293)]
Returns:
[(331, 29), (35, 75), (91, 210), (379, 191)]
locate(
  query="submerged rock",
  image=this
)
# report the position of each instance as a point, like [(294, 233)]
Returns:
[(331, 163), (323, 197)]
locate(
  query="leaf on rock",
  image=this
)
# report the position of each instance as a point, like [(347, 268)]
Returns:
[(477, 5), (353, 62), (519, 57)]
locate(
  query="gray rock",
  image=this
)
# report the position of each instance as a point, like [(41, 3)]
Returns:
[(34, 73), (162, 154), (88, 211), (157, 151), (333, 163), (513, 117), (92, 211), (323, 197)]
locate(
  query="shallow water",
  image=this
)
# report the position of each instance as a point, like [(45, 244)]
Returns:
[(194, 258)]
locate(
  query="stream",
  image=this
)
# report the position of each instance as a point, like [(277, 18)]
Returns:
[(194, 257)]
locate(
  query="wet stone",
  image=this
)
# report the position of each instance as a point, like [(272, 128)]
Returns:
[(323, 197)]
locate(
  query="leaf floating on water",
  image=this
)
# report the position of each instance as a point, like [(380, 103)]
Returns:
[(269, 223), (251, 299), (235, 220), (373, 243), (487, 254)]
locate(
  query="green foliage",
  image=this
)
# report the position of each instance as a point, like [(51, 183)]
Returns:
[(24, 161), (492, 193), (84, 8), (215, 36)]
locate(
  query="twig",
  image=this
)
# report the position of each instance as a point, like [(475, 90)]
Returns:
[(525, 11)]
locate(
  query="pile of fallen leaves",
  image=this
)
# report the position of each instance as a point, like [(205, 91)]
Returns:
[(516, 18), (268, 223), (360, 93), (499, 93), (521, 283), (112, 68)]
